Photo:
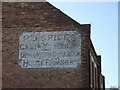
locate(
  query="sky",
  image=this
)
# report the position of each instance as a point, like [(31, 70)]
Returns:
[(103, 17)]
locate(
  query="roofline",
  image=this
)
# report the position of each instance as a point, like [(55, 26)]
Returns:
[(93, 49), (65, 14)]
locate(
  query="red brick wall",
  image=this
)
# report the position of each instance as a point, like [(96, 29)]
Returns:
[(40, 17), (97, 80)]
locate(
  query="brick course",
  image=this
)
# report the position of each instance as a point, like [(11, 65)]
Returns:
[(40, 17)]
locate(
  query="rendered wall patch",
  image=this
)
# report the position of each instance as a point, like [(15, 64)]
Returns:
[(60, 49)]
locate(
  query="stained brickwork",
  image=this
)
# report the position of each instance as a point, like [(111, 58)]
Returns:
[(24, 17)]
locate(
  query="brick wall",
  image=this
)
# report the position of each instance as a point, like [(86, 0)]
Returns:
[(40, 17), (96, 77)]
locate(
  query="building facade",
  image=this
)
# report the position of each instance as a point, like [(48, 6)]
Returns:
[(42, 45)]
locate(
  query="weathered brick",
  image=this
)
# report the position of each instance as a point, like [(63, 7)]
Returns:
[(40, 17)]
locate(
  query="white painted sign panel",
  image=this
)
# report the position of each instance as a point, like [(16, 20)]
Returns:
[(60, 49)]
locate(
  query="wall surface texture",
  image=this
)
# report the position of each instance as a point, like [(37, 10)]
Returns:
[(20, 18)]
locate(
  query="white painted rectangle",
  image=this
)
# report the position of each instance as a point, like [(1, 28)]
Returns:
[(60, 49)]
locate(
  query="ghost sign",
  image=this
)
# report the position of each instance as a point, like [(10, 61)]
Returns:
[(60, 49)]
